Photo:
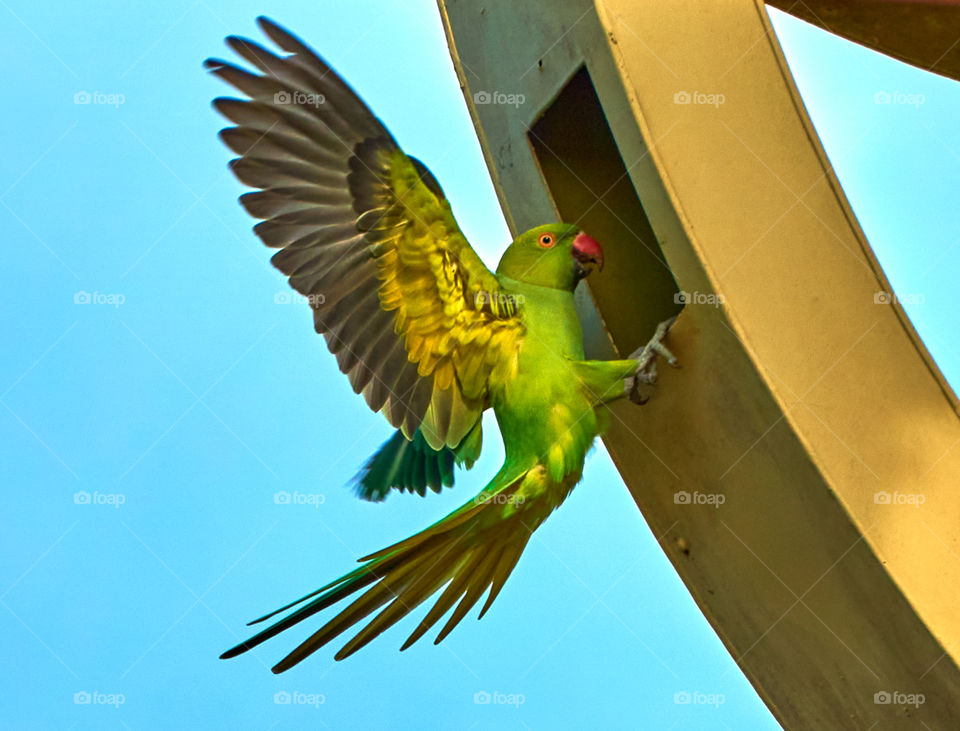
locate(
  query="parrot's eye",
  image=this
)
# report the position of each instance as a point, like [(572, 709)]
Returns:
[(546, 240)]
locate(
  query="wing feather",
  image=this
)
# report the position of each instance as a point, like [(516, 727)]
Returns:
[(366, 233)]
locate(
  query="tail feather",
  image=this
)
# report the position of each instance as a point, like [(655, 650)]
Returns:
[(457, 518), (414, 594), (452, 593), (325, 600), (393, 586), (478, 584), (346, 577), (503, 569), (473, 549)]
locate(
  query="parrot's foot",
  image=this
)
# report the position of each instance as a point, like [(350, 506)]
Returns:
[(646, 358)]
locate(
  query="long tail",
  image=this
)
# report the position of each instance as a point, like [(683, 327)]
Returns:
[(473, 549)]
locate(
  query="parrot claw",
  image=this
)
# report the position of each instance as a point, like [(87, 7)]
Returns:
[(646, 358)]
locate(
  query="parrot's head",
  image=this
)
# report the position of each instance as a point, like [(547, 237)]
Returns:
[(556, 255)]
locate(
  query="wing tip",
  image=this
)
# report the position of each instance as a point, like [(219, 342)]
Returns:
[(278, 34)]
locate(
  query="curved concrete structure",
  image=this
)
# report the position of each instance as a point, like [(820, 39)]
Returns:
[(806, 403)]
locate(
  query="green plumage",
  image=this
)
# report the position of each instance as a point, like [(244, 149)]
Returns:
[(412, 465), (425, 332)]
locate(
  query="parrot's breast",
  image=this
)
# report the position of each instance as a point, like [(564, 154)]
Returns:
[(543, 413)]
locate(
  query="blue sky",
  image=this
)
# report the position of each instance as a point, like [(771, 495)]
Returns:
[(183, 397)]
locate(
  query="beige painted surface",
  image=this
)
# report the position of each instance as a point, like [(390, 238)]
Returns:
[(800, 399)]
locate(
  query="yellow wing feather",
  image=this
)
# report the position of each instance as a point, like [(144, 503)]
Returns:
[(455, 325), (415, 319)]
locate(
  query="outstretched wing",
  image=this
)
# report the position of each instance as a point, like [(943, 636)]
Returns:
[(415, 319)]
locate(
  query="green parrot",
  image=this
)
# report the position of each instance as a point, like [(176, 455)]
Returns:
[(428, 335)]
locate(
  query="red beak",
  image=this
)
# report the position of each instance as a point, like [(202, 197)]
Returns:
[(586, 250)]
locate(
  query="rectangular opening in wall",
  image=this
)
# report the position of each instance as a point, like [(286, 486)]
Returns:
[(590, 186)]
